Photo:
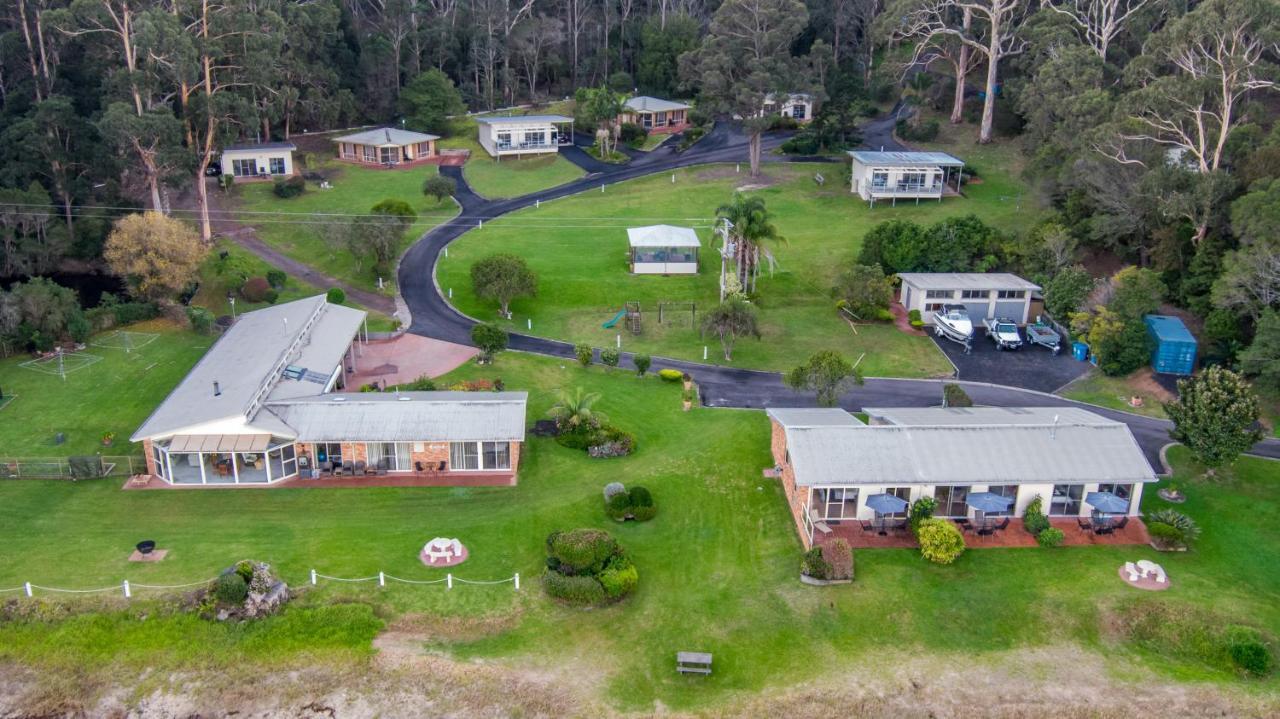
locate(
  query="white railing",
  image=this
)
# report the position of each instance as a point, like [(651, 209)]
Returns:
[(382, 578), (905, 189), (525, 146)]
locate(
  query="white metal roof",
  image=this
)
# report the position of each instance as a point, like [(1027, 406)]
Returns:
[(967, 454), (905, 159), (252, 147), (984, 415), (386, 137), (790, 417), (645, 103), (523, 119), (406, 416), (966, 281), (662, 236), (246, 363)]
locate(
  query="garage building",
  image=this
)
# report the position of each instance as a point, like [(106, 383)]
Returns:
[(984, 294)]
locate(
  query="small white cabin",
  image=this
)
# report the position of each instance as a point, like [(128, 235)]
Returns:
[(524, 134), (256, 160), (797, 106), (663, 250), (903, 175), (986, 295)]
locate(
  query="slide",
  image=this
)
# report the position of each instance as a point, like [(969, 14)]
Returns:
[(609, 325)]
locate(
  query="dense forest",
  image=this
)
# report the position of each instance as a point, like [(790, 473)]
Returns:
[(1148, 125)]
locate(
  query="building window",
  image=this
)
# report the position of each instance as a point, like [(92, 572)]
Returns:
[(370, 155), (1066, 500), (951, 501), (504, 140), (933, 306), (1123, 491), (244, 168), (911, 180), (391, 456), (939, 294), (834, 503), (974, 294), (277, 165), (879, 179), (496, 455), (1011, 294), (1009, 491), (329, 452), (797, 111), (479, 455), (464, 456), (535, 139), (159, 455), (388, 155)]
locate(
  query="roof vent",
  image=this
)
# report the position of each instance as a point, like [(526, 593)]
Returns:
[(402, 398), (217, 389), (339, 399)]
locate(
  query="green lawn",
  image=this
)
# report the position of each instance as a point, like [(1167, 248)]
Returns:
[(578, 248), (718, 569), (513, 176), (113, 395), (1114, 392), (290, 225), (654, 141)]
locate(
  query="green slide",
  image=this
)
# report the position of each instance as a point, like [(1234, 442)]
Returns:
[(609, 325)]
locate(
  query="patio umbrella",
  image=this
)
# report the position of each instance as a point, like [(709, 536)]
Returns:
[(1107, 503), (988, 502), (886, 503)]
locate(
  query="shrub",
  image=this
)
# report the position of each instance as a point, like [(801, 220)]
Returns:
[(1164, 534), (642, 507), (921, 510), (439, 187), (245, 569), (1033, 518), (813, 565), (619, 577), (940, 541), (277, 278), (610, 356), (804, 143), (1248, 652), (583, 550), (575, 589), (783, 122), (230, 588), (226, 182), (335, 296), (670, 375), (255, 289), (839, 557), (271, 296), (1050, 538), (201, 320), (618, 506), (583, 352), (632, 134), (691, 136), (642, 363), (953, 395), (421, 384), (490, 338), (1185, 530), (613, 488), (883, 315), (914, 316), (290, 188), (925, 131), (609, 441)]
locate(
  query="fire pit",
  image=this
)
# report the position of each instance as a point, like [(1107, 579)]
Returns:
[(147, 546)]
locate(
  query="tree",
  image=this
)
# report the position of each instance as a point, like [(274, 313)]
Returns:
[(503, 277), (601, 106), (490, 339), (661, 45), (826, 373), (941, 48), (1067, 290), (575, 411), (1215, 416), (1262, 359), (745, 57), (1250, 280), (956, 244), (730, 320), (864, 289), (439, 187), (1121, 344), (1136, 291), (428, 101), (156, 255), (752, 224), (153, 138), (1255, 217), (642, 363), (38, 312), (1097, 22), (994, 38), (398, 210)]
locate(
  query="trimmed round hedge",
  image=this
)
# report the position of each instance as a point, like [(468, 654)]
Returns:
[(586, 567)]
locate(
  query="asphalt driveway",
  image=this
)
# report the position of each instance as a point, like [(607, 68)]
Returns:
[(1031, 367)]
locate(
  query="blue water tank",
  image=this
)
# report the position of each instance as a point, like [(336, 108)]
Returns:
[(1080, 351), (1175, 347)]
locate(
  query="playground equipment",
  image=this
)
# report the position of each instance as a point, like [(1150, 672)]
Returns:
[(610, 324), (672, 312), (632, 312)]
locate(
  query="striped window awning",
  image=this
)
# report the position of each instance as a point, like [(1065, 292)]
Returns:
[(219, 442)]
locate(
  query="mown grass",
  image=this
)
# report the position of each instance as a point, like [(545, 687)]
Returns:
[(718, 565), (295, 226), (512, 176), (1114, 393), (578, 248)]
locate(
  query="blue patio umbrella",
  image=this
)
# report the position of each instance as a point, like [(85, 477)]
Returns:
[(886, 503), (1107, 503), (988, 502)]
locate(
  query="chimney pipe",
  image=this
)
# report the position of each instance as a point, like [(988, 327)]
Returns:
[(217, 390)]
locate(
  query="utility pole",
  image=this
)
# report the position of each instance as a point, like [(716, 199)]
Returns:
[(725, 249)]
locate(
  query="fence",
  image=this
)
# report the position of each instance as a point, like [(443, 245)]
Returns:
[(382, 578), (126, 587), (86, 467)]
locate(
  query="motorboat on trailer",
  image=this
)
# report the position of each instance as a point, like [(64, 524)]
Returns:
[(954, 324)]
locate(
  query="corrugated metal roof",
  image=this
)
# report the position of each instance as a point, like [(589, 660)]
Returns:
[(975, 416), (251, 146), (244, 360), (813, 417), (964, 455), (905, 159), (966, 281), (662, 236), (644, 103), (406, 416), (386, 137), (523, 118)]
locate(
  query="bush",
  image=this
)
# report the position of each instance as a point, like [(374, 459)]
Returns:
[(290, 188), (583, 352), (839, 557), (335, 296), (925, 131), (421, 384), (584, 590), (698, 117), (271, 297), (642, 363), (1164, 533), (1184, 530), (940, 541), (586, 566), (804, 143), (613, 488), (953, 395), (642, 506), (1033, 519), (245, 569), (883, 315), (1248, 652), (609, 441), (618, 506), (632, 134), (619, 577), (439, 187), (783, 122), (670, 375), (230, 588), (490, 339), (277, 278), (583, 550), (201, 320), (255, 289), (1050, 538), (610, 356), (813, 565), (914, 316), (691, 136), (921, 510)]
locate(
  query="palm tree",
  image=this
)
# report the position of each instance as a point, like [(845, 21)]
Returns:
[(752, 225), (575, 411)]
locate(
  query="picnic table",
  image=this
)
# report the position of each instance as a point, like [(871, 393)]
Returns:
[(693, 662)]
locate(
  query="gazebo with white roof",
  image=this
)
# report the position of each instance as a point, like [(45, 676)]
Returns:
[(663, 250)]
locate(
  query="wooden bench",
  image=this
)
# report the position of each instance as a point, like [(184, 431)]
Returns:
[(693, 662)]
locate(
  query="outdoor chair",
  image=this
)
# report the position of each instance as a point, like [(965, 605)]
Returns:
[(326, 467), (1122, 523), (442, 466), (348, 466), (964, 524), (359, 466), (1003, 525), (867, 526), (338, 470), (1084, 525)]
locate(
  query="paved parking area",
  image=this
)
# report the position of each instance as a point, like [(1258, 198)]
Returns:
[(1031, 367)]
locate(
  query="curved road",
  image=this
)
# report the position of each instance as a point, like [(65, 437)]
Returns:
[(433, 316)]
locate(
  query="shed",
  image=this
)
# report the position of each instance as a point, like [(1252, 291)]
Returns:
[(984, 294), (663, 250), (1175, 347), (258, 160)]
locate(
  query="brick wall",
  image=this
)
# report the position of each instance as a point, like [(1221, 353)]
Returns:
[(795, 497)]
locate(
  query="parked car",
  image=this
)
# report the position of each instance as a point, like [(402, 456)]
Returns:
[(213, 170), (1004, 333)]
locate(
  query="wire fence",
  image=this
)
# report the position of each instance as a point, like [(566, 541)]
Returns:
[(382, 578), (93, 466)]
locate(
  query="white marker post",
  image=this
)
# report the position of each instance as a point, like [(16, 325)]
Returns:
[(313, 577), (127, 594), (517, 581), (382, 579), (529, 323), (26, 586), (619, 341), (704, 352), (448, 578), (450, 293)]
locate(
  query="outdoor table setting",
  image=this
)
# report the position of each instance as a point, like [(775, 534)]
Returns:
[(986, 503), (884, 505), (1105, 504)]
